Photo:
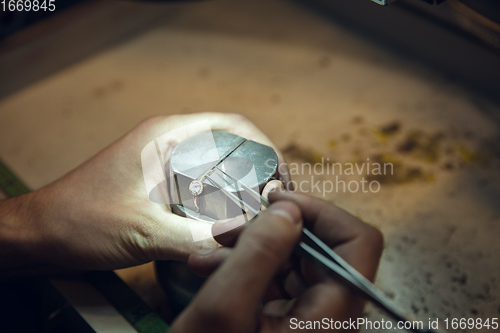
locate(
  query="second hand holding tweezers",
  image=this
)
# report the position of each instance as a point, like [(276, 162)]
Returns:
[(312, 248)]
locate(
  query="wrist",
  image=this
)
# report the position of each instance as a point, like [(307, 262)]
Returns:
[(19, 232)]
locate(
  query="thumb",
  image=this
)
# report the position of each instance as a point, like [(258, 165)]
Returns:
[(230, 299)]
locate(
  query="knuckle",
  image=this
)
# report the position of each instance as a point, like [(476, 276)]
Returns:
[(265, 243), (240, 118), (147, 123), (142, 243), (375, 238), (152, 120)]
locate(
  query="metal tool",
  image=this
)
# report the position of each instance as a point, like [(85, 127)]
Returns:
[(321, 254), (196, 186), (194, 196), (311, 247)]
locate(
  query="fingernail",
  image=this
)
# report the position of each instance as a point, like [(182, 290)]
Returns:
[(281, 210), (205, 252)]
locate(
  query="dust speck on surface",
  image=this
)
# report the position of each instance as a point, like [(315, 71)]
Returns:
[(357, 120), (275, 99), (391, 128), (324, 61), (204, 72), (460, 279), (108, 89), (296, 151)]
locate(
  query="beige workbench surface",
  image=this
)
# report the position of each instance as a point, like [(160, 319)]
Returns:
[(316, 90)]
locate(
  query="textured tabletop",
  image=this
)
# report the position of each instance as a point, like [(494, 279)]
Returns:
[(320, 93)]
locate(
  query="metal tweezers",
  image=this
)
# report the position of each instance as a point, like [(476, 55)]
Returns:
[(312, 248)]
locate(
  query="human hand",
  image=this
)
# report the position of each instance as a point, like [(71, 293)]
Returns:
[(258, 271), (99, 215)]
